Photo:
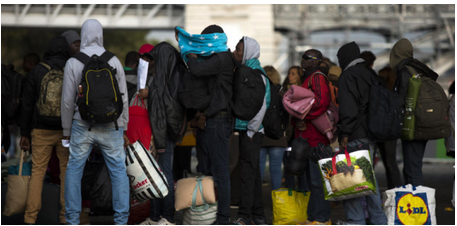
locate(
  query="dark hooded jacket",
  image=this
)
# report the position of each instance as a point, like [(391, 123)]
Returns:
[(405, 66), (218, 68), (56, 55), (353, 92), (166, 113)]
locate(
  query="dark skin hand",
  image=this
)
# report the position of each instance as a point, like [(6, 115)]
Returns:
[(126, 141), (143, 93), (344, 143), (25, 143)]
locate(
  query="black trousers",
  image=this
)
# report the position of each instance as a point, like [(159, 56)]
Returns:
[(388, 152), (251, 203), (413, 153)]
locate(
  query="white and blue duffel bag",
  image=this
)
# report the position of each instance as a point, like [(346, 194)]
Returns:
[(146, 178)]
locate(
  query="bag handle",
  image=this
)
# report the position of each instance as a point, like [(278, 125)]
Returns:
[(298, 190), (348, 159), (21, 161), (199, 186)]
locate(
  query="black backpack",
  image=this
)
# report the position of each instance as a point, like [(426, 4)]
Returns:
[(100, 100), (386, 113), (276, 118), (248, 92), (12, 87), (194, 92)]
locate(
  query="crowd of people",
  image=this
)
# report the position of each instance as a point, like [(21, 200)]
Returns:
[(233, 151)]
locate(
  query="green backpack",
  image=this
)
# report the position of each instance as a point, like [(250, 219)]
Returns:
[(48, 104)]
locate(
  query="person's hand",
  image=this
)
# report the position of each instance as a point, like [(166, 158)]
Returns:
[(143, 93), (25, 143), (192, 55), (126, 141), (344, 143)]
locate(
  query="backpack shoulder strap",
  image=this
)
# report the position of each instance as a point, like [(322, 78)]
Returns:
[(84, 58), (106, 56), (309, 81), (45, 65)]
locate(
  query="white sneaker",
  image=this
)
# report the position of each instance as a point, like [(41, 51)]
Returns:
[(164, 221), (148, 221)]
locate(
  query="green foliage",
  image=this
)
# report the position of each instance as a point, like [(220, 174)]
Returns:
[(366, 167), (328, 164)]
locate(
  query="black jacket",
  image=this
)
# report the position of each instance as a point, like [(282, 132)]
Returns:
[(219, 69), (131, 87), (56, 55), (166, 113), (353, 93)]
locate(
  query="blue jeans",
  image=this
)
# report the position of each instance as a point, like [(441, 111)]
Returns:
[(353, 207), (413, 153), (218, 130), (165, 207), (318, 207), (275, 155), (111, 143)]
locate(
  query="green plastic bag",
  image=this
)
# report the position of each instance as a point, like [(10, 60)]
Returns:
[(410, 105)]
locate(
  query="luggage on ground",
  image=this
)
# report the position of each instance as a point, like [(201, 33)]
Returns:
[(185, 188), (289, 206), (146, 178), (410, 205), (18, 189), (101, 194), (204, 214)]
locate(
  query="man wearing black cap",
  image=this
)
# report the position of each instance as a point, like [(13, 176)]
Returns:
[(354, 96), (74, 40)]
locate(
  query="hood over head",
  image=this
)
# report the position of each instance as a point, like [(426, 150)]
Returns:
[(403, 49), (57, 52), (348, 53), (92, 38), (251, 49)]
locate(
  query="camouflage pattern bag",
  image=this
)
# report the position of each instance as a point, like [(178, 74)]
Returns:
[(48, 104)]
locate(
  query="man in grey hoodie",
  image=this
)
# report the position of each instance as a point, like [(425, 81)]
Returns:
[(105, 135)]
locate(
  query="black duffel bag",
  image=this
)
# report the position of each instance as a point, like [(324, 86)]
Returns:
[(297, 159)]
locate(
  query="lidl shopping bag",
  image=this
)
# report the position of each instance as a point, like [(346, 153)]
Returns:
[(348, 175), (410, 205), (146, 178), (289, 206)]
